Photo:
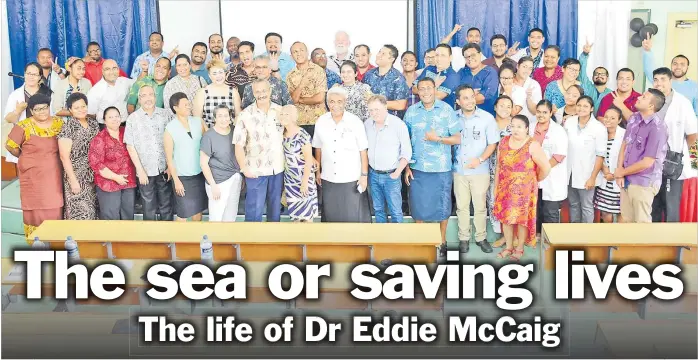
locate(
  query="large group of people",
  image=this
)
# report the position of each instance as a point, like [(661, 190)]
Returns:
[(514, 135)]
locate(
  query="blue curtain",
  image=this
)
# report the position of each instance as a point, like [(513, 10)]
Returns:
[(121, 27), (511, 18)]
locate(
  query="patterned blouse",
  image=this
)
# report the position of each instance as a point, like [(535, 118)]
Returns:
[(178, 84), (357, 99)]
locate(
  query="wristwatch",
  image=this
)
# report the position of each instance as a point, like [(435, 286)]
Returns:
[(364, 174)]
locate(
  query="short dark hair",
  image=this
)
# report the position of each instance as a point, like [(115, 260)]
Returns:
[(40, 99), (503, 97), (183, 56), (111, 108), (506, 66), (314, 50), (471, 46), (524, 59), (658, 99), (601, 67), (246, 43), (368, 49), (428, 51), (268, 35), (350, 64), (614, 108), (393, 51), (579, 88), (625, 70), (681, 56), (522, 118), (408, 52), (75, 97), (175, 99), (214, 34), (554, 47), (92, 43), (445, 46), (586, 98), (471, 29), (662, 71), (162, 38), (44, 49), (426, 79), (570, 61), (462, 87), (498, 36), (539, 30), (199, 43), (545, 103)]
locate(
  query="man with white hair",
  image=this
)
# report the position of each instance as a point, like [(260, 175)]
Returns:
[(341, 46), (341, 149)]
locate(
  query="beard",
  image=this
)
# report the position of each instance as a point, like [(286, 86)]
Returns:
[(678, 74), (216, 52), (341, 49), (599, 82)]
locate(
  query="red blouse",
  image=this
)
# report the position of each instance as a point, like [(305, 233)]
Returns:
[(105, 151)]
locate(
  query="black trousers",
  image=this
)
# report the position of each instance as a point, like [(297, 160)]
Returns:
[(116, 205), (157, 198), (666, 204), (548, 212)]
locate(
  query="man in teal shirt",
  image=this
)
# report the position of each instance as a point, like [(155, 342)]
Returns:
[(595, 87)]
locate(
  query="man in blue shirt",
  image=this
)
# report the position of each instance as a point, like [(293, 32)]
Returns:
[(388, 81), (482, 78), (434, 128), (319, 57), (442, 73), (471, 168), (155, 42), (281, 63)]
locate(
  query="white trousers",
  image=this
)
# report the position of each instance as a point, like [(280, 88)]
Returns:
[(226, 207)]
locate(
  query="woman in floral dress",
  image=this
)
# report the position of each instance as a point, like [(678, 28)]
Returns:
[(502, 107)]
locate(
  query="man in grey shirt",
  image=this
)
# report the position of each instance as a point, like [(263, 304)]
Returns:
[(220, 168), (389, 151), (143, 136)]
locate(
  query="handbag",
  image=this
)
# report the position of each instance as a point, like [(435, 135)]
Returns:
[(673, 165)]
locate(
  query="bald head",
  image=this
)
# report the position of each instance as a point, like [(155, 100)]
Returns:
[(110, 71)]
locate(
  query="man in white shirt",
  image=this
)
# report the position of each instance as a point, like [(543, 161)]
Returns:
[(342, 151), (112, 90), (341, 46), (536, 38), (682, 125)]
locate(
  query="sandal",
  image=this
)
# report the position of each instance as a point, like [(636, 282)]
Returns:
[(505, 253), (516, 255), (499, 242)]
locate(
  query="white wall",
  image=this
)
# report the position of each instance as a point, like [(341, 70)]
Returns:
[(184, 22), (310, 21)]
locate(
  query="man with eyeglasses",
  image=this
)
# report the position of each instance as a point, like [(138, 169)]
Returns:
[(482, 78), (279, 90), (319, 58), (595, 87), (498, 43), (94, 63)]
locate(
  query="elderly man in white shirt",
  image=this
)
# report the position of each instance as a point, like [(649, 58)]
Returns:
[(112, 90), (342, 151), (341, 46)]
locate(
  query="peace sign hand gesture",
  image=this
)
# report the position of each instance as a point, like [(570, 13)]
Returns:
[(587, 47), (647, 43)]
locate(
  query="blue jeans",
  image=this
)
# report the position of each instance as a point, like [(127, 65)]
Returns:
[(383, 189), (260, 191)]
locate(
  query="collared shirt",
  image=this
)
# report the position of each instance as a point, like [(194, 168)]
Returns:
[(667, 103), (680, 119), (334, 64), (316, 83), (431, 156), (539, 133), (486, 82), (392, 85), (607, 102), (62, 89), (360, 75), (332, 78), (587, 84), (148, 80), (261, 136), (279, 93), (110, 153), (448, 86), (388, 144), (687, 87), (286, 64), (147, 56), (646, 138), (357, 98), (520, 98), (104, 95), (93, 71), (237, 77), (203, 72), (585, 145), (229, 61), (537, 61), (341, 144), (479, 131), (178, 84), (145, 133), (493, 63), (543, 80)]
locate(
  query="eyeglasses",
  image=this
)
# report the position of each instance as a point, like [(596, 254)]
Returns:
[(507, 78), (40, 108), (31, 74), (601, 74)]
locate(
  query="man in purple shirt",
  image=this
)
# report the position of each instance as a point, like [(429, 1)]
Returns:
[(641, 159)]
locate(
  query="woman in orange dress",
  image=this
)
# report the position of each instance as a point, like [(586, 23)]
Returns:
[(521, 164), (34, 141)]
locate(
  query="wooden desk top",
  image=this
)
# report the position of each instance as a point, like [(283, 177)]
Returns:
[(658, 234), (239, 232)]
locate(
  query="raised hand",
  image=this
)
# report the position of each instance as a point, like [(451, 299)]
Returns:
[(647, 43), (513, 49), (587, 47)]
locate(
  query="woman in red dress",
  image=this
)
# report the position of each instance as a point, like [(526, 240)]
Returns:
[(521, 164)]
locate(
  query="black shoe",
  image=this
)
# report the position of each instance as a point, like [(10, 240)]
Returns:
[(484, 246), (464, 246), (442, 250)]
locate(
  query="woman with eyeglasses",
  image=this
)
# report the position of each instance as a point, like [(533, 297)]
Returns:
[(508, 88), (34, 141), (73, 144), (208, 99)]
